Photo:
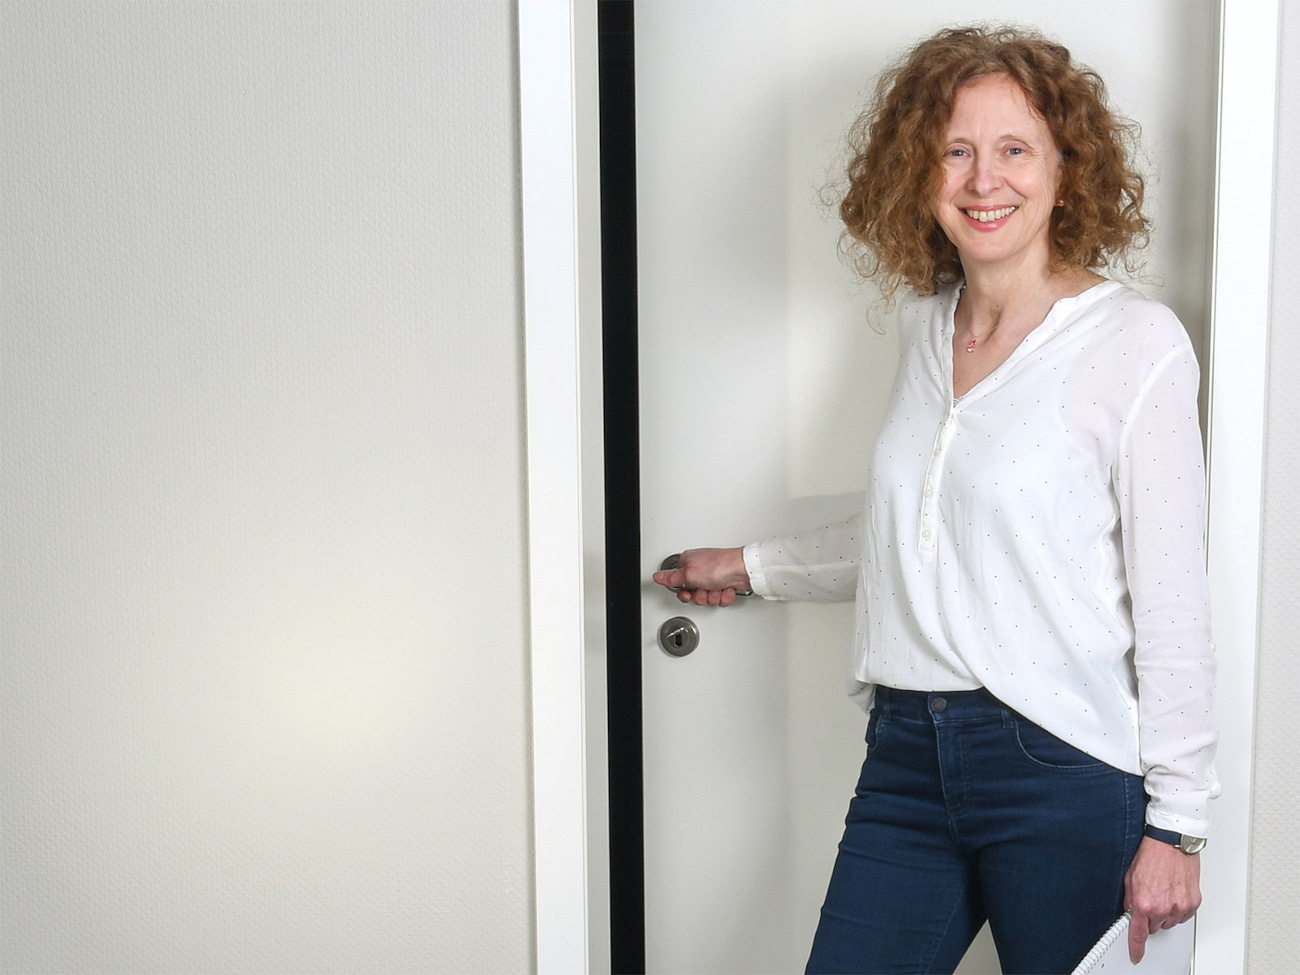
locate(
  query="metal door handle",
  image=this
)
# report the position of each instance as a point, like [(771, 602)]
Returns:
[(671, 563)]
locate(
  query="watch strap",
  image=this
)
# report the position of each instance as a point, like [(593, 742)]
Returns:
[(1188, 844), (1163, 835)]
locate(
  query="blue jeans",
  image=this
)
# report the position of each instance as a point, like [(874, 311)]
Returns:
[(967, 811)]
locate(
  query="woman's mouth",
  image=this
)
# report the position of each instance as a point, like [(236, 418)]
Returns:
[(987, 216)]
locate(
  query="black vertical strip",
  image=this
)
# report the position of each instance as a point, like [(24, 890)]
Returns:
[(622, 485)]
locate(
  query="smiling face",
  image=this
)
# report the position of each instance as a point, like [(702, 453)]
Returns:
[(1001, 176)]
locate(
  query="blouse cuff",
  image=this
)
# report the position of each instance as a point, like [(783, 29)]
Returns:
[(1179, 824), (757, 578), (1192, 819)]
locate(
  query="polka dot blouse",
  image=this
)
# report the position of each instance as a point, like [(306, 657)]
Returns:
[(1040, 536)]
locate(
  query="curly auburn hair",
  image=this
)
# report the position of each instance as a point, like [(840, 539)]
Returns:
[(890, 229)]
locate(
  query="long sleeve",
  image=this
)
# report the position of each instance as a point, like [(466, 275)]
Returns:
[(819, 565), (1159, 483)]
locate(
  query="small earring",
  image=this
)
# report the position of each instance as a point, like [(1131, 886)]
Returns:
[(1060, 203)]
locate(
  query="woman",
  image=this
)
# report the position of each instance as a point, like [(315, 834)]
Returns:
[(1031, 597)]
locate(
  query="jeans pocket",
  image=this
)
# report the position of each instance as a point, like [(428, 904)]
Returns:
[(876, 724), (1047, 751)]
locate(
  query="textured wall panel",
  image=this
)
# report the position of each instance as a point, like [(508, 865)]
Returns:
[(1274, 938), (263, 694)]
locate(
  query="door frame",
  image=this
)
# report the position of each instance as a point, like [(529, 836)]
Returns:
[(559, 132)]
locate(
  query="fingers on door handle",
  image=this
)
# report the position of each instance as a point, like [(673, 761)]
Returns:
[(671, 563)]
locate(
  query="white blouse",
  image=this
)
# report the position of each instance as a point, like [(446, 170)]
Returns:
[(1040, 536)]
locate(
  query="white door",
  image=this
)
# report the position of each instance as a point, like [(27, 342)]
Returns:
[(761, 380)]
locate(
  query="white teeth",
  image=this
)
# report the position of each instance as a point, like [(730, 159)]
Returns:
[(984, 216)]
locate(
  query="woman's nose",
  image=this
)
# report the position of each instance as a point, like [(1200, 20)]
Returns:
[(984, 178)]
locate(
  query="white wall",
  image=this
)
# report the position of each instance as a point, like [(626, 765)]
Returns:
[(1273, 937), (263, 691)]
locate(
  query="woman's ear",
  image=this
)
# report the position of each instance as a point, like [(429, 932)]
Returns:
[(1064, 158)]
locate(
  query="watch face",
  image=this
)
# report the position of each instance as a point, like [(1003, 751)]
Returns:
[(1191, 844)]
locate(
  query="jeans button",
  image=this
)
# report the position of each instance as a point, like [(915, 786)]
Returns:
[(939, 703)]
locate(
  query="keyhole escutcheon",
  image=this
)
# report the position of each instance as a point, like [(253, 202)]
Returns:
[(679, 636)]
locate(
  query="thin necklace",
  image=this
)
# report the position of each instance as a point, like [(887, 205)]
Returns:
[(970, 346)]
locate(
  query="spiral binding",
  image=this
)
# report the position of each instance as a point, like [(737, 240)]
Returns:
[(1113, 934)]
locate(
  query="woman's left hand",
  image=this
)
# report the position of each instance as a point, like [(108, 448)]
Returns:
[(1162, 888)]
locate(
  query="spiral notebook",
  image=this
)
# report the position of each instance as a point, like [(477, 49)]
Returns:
[(1168, 952)]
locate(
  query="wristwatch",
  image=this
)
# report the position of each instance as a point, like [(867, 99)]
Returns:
[(1188, 844)]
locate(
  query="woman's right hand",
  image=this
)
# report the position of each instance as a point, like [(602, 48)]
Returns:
[(707, 576)]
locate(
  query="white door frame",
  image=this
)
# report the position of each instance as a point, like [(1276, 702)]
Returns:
[(559, 132), (1237, 374)]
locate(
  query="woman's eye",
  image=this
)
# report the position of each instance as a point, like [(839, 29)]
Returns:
[(956, 153), (1015, 151)]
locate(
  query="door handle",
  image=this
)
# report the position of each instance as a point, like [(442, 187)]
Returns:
[(671, 563)]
